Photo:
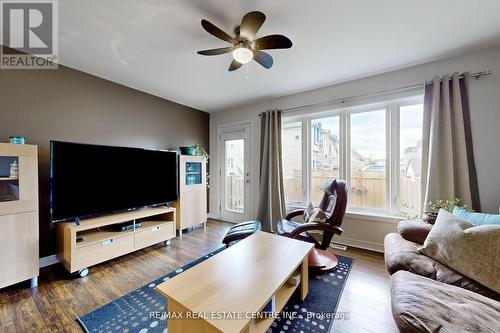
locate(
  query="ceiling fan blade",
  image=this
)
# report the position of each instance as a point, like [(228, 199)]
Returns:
[(213, 30), (234, 65), (263, 58), (272, 42), (213, 52), (250, 24)]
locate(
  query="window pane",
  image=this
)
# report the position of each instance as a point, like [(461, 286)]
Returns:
[(325, 155), (291, 136), (411, 121), (235, 187), (368, 160)]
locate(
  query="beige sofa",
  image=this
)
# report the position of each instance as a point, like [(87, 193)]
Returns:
[(428, 296)]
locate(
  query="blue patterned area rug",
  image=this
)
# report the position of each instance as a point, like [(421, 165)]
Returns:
[(137, 311)]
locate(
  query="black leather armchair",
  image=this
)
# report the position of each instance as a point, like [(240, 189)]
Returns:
[(333, 203)]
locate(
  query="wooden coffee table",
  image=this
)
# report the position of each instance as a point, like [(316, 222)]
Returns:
[(223, 293)]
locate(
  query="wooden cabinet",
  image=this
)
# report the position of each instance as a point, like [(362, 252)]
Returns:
[(95, 240), (19, 259), (192, 202)]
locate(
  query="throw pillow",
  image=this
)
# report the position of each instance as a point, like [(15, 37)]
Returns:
[(473, 251), (318, 216), (314, 214), (476, 218), (307, 212)]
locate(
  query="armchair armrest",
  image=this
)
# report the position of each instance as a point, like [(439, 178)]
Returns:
[(316, 226), (294, 213), (414, 231)]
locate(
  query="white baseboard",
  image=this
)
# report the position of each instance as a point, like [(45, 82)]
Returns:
[(360, 244), (47, 261), (213, 216)]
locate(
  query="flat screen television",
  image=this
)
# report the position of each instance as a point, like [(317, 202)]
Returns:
[(88, 180)]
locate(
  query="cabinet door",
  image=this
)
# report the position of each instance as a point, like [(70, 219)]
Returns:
[(192, 173), (19, 240), (193, 208), (18, 179)]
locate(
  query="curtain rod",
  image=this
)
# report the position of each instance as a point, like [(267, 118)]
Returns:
[(476, 76)]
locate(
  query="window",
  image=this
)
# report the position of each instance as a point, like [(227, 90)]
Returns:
[(410, 157), (325, 155), (234, 169), (368, 160), (292, 161), (376, 149)]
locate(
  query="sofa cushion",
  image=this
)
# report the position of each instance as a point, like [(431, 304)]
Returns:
[(476, 218), (403, 255), (423, 305), (414, 231), (471, 250)]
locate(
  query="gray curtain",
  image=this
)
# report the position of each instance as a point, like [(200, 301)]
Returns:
[(448, 169), (271, 190)]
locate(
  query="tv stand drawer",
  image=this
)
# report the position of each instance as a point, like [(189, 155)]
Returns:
[(104, 250), (153, 232)]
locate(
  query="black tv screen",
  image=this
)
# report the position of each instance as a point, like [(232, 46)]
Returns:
[(88, 180)]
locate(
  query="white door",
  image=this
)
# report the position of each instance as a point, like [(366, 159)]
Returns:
[(235, 175)]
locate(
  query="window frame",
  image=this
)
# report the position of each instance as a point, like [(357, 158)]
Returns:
[(392, 135)]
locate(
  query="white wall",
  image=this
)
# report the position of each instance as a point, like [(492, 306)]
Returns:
[(485, 117)]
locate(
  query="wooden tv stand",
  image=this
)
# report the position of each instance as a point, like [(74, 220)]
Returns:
[(100, 242)]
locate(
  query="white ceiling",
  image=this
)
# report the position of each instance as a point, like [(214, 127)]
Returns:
[(151, 45)]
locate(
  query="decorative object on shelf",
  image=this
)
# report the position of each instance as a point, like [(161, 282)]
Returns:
[(188, 150), (195, 150), (200, 151), (14, 169), (17, 140), (433, 208)]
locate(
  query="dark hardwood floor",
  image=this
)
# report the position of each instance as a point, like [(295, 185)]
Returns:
[(60, 298)]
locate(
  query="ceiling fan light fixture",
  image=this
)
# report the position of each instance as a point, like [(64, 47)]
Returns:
[(243, 55), (245, 47)]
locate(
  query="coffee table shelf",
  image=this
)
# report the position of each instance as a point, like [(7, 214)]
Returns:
[(281, 297)]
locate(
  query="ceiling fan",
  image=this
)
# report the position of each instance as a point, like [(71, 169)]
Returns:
[(244, 46)]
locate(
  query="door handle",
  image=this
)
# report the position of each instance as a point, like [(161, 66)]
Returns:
[(108, 242)]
